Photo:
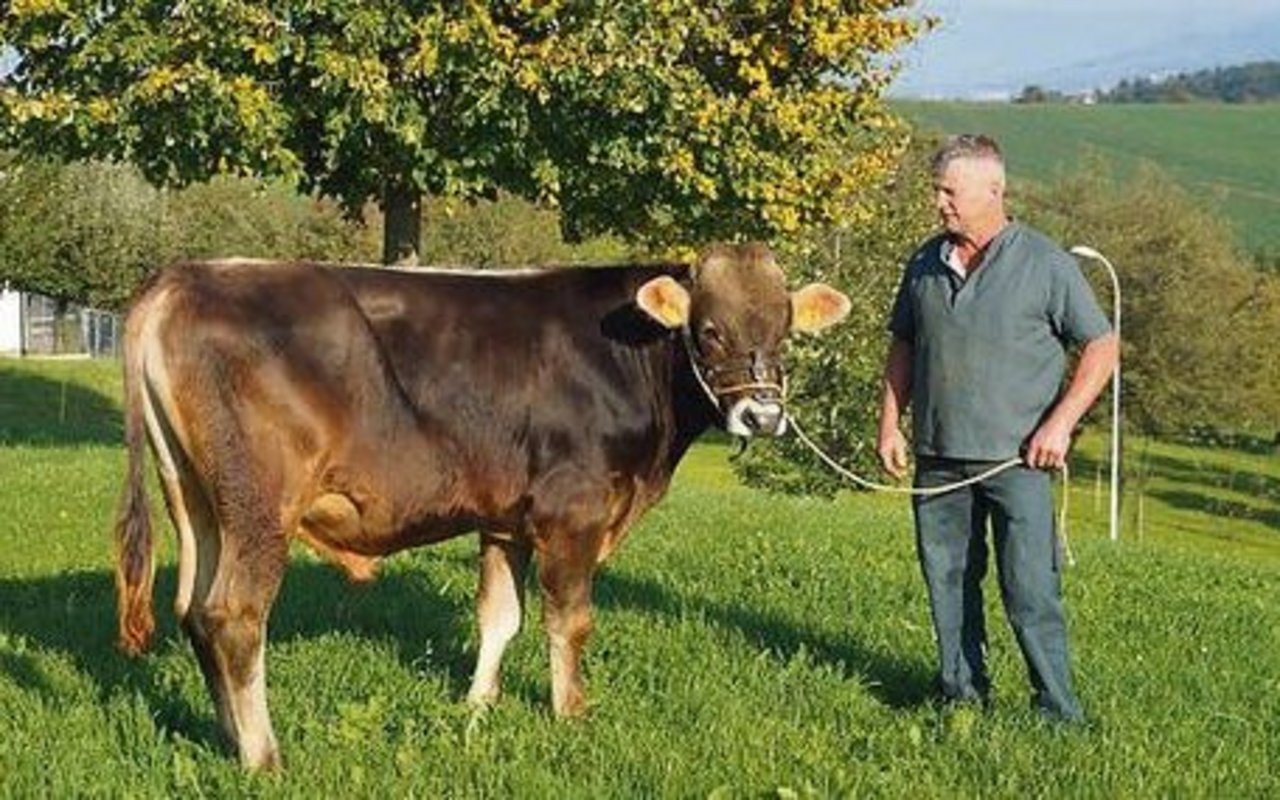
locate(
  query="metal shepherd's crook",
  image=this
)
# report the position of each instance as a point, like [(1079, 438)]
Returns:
[(1088, 252)]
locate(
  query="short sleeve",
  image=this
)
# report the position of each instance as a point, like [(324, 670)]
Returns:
[(902, 322), (1074, 311)]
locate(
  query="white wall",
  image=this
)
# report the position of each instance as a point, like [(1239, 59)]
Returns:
[(10, 322)]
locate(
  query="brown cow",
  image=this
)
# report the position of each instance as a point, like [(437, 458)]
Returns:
[(365, 411)]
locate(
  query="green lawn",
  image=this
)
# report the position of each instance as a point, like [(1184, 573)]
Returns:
[(746, 645), (1223, 154)]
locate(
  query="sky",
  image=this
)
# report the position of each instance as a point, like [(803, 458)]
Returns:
[(994, 48)]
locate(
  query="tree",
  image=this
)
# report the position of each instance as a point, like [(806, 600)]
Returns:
[(80, 234), (1034, 93), (668, 121), (507, 232)]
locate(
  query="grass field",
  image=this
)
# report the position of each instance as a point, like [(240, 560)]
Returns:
[(1223, 154), (746, 645)]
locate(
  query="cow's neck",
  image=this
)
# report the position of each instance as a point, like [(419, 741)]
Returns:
[(693, 412)]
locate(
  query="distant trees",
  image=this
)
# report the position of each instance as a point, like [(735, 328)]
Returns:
[(1035, 93), (1258, 82), (507, 232), (78, 235), (88, 233), (1249, 83)]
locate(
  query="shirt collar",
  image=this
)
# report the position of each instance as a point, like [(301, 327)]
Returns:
[(951, 258), (948, 252)]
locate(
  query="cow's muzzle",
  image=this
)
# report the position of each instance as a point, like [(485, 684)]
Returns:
[(750, 416)]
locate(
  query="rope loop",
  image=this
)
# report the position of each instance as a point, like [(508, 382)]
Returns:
[(930, 491)]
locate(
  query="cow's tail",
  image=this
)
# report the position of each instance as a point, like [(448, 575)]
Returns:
[(134, 557)]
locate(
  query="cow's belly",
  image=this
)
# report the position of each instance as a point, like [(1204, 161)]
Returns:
[(336, 529)]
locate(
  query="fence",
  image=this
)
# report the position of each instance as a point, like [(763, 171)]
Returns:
[(49, 328)]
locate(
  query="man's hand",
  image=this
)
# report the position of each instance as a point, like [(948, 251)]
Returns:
[(891, 445), (1048, 446), (892, 449)]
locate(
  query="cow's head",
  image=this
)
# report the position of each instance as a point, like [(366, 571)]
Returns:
[(735, 315)]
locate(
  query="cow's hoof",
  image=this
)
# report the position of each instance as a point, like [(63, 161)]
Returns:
[(483, 699), (268, 764), (574, 706)]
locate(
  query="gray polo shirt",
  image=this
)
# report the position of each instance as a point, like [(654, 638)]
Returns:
[(989, 350)]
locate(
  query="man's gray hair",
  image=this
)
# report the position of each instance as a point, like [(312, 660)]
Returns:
[(965, 145)]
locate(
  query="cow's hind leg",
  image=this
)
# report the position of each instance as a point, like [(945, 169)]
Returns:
[(499, 610), (224, 594), (199, 538), (236, 541), (227, 628), (199, 551)]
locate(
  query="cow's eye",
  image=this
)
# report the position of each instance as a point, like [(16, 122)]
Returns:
[(710, 336)]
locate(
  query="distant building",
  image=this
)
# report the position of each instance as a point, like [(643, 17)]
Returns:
[(10, 322)]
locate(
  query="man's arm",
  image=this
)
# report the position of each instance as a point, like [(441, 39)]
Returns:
[(891, 444), (1048, 446)]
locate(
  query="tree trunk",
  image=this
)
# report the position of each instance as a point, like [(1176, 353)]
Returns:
[(401, 225)]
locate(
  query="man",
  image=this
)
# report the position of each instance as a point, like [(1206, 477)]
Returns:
[(980, 328)]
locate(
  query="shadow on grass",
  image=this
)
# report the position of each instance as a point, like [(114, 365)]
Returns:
[(1191, 473), (1200, 487), (898, 683), (1250, 482), (1218, 507), (39, 411), (73, 615)]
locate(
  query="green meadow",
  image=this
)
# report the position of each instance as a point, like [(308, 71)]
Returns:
[(1225, 155), (746, 645)]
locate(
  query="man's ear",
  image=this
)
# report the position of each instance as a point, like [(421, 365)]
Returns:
[(817, 307), (665, 300)]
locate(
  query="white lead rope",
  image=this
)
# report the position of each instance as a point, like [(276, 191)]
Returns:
[(920, 491), (930, 491)]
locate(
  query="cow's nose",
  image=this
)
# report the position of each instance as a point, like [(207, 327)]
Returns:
[(752, 417), (763, 418)]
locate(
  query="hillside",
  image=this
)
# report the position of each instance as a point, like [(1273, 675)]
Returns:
[(1223, 154)]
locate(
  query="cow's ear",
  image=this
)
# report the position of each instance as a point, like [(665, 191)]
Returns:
[(816, 307), (665, 300)]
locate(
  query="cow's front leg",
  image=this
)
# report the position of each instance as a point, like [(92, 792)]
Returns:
[(499, 610), (565, 568)]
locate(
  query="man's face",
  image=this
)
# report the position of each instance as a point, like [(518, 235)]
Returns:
[(969, 195)]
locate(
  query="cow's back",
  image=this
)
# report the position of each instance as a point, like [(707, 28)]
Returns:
[(528, 368)]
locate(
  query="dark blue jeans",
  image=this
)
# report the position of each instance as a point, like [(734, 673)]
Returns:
[(951, 539)]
